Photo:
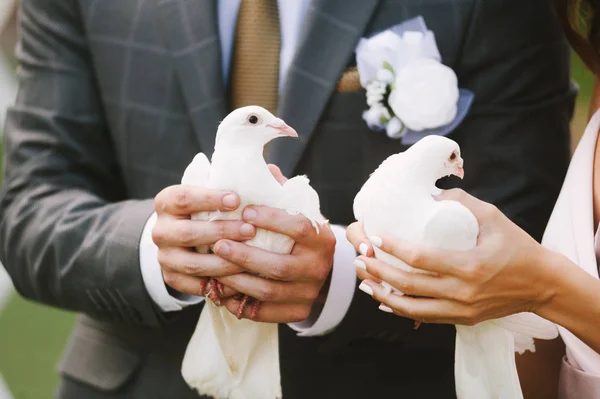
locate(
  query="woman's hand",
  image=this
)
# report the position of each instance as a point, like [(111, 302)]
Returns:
[(508, 272)]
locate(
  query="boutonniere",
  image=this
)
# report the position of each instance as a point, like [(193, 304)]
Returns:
[(410, 93)]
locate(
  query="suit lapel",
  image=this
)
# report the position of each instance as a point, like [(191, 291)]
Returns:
[(331, 31), (192, 36)]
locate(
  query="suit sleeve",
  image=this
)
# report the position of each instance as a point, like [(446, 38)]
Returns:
[(68, 236), (515, 139)]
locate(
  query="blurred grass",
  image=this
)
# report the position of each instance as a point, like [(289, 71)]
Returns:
[(33, 336), (585, 80)]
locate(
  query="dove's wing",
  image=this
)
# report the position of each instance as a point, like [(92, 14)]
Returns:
[(371, 186), (526, 326), (451, 226), (361, 200), (454, 227), (484, 354), (197, 172), (298, 197)]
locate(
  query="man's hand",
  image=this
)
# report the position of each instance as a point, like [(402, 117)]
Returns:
[(290, 283), (176, 235)]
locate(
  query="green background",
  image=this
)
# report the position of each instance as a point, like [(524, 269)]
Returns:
[(33, 336)]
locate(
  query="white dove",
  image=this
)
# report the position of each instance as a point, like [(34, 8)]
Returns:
[(229, 357), (397, 200)]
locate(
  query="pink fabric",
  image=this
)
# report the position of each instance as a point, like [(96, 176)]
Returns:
[(576, 384), (571, 232)]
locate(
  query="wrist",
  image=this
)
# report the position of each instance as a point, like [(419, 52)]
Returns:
[(555, 270)]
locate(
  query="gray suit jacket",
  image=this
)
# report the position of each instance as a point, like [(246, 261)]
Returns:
[(116, 97)]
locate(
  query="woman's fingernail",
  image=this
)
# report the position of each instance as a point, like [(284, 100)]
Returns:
[(363, 248), (249, 214), (229, 201), (386, 309), (222, 248), (366, 289), (360, 264), (376, 241), (247, 230)]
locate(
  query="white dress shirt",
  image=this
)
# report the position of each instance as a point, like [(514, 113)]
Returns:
[(291, 14)]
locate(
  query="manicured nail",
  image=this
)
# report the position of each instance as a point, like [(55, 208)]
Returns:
[(376, 241), (230, 201), (386, 309), (360, 264), (249, 214), (363, 248), (222, 248), (366, 289), (247, 230)]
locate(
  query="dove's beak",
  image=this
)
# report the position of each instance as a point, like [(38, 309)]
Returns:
[(283, 128), (460, 172)]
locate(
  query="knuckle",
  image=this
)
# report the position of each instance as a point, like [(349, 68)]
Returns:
[(467, 295), (159, 201), (182, 198), (473, 270), (266, 293), (281, 271), (471, 316), (158, 235), (170, 279), (322, 273), (164, 257), (417, 258), (490, 211), (330, 242), (188, 235), (312, 293), (189, 269), (220, 230), (305, 229), (302, 313), (408, 313), (406, 286), (242, 257)]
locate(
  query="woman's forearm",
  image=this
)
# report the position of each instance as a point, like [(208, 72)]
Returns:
[(573, 300)]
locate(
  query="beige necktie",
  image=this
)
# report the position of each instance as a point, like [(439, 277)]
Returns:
[(255, 61)]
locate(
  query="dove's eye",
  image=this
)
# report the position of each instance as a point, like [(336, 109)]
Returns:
[(453, 157), (253, 119)]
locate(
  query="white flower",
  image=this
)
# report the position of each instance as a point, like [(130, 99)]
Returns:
[(376, 87), (395, 129), (375, 92), (425, 95), (376, 116), (371, 53), (385, 75)]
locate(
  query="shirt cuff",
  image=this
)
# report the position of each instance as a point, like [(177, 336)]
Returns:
[(152, 274), (341, 289)]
